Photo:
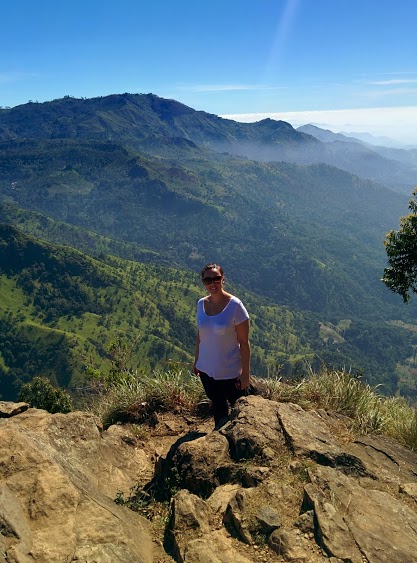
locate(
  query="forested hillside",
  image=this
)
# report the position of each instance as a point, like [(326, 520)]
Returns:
[(312, 235), (136, 177), (60, 309)]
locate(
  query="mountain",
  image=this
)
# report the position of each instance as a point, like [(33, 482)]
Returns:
[(303, 245), (378, 141), (321, 228), (325, 135), (404, 155), (162, 127), (60, 310)]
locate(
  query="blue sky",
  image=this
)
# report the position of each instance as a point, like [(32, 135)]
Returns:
[(343, 64)]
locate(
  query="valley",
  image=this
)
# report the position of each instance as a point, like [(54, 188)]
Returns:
[(132, 191)]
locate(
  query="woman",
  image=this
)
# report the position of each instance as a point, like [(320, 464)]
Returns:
[(222, 356)]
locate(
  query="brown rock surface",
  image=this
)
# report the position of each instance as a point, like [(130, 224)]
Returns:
[(277, 483), (58, 477)]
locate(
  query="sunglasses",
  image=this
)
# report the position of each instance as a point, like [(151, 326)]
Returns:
[(214, 279)]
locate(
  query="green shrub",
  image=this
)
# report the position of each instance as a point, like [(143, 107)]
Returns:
[(41, 394)]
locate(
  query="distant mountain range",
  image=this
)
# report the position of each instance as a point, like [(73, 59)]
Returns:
[(406, 156), (152, 180), (153, 124)]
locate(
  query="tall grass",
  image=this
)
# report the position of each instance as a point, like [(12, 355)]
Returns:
[(178, 391), (369, 410), (137, 397)]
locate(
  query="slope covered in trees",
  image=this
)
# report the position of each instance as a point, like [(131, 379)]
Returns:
[(310, 234), (60, 309)]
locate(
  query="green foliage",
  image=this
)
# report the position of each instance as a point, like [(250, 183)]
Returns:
[(321, 228), (28, 350), (41, 394), (401, 246), (120, 370), (137, 177)]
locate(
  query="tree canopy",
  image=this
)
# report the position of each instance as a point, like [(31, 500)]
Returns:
[(401, 246)]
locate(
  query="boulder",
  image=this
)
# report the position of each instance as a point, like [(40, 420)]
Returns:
[(309, 435), (11, 409), (268, 519), (216, 547), (275, 471), (58, 479), (353, 522), (235, 515), (385, 459), (254, 430), (289, 544), (203, 464), (193, 540)]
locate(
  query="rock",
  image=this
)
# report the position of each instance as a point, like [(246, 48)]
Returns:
[(56, 472), (189, 512), (385, 459), (213, 548), (288, 544), (268, 519), (235, 518), (12, 409), (221, 496), (203, 464), (305, 522), (354, 522), (409, 489), (254, 429), (309, 436), (253, 476), (191, 517), (59, 475)]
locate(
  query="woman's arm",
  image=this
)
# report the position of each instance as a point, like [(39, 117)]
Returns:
[(197, 349), (242, 332)]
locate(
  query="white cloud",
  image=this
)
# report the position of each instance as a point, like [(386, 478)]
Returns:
[(390, 92), (393, 81), (202, 88), (399, 123)]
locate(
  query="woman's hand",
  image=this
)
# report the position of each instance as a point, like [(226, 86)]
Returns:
[(242, 333)]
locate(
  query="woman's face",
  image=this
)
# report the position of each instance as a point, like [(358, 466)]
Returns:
[(212, 280)]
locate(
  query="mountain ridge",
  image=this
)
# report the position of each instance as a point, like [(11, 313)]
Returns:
[(150, 123)]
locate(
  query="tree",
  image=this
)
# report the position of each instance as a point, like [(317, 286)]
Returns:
[(401, 246)]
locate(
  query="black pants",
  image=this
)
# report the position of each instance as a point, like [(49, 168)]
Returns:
[(221, 392)]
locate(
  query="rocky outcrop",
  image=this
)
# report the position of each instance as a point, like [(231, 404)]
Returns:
[(276, 482), (59, 475), (357, 502)]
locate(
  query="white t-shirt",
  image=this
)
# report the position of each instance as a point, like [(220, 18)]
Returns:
[(219, 350)]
